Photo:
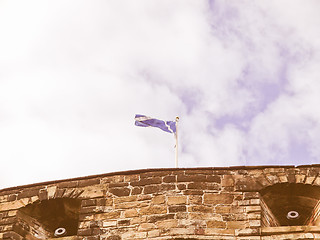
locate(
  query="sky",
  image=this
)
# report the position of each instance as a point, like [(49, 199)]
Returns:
[(243, 76)]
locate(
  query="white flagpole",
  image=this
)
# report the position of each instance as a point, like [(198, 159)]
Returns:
[(176, 137)]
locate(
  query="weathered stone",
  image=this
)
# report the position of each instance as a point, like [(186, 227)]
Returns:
[(151, 189), (120, 191), (157, 218), (89, 182), (237, 225), (153, 210), (213, 178), (179, 208), (88, 202), (43, 194), (121, 184), (177, 200), (167, 187), (147, 181), (216, 224), (169, 179), (191, 178), (195, 200), (227, 181), (131, 213), (195, 204), (125, 199), (136, 190), (154, 233), (146, 226), (167, 224), (200, 208), (91, 192), (160, 199), (123, 222), (193, 192), (217, 198), (29, 192), (182, 186)]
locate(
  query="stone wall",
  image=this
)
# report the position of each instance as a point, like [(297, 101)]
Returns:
[(200, 203)]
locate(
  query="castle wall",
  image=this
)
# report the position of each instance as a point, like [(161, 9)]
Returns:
[(202, 203)]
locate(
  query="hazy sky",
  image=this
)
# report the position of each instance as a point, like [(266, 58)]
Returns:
[(243, 76)]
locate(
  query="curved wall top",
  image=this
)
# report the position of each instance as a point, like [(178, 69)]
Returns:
[(192, 203)]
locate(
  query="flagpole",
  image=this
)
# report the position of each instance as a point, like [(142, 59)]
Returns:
[(176, 137)]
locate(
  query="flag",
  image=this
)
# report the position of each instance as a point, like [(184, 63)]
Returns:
[(144, 121)]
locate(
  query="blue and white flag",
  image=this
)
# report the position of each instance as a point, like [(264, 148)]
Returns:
[(144, 121)]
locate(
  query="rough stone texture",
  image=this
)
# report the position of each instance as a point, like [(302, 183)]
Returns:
[(159, 204)]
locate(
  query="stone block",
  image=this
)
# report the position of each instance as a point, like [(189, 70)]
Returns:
[(177, 200), (91, 192), (181, 231), (121, 184), (194, 199), (217, 198), (127, 205), (200, 208), (167, 187), (167, 224), (193, 192), (125, 199), (123, 222), (179, 208), (154, 233), (213, 178), (109, 223), (160, 199), (147, 181), (146, 226), (120, 191), (191, 178), (85, 232), (161, 217), (237, 224), (134, 235), (151, 210), (205, 216), (250, 209), (132, 178), (227, 181), (170, 179), (182, 186), (151, 189), (88, 202), (300, 178), (216, 224), (220, 232), (107, 216), (68, 184), (131, 213), (136, 190), (43, 194)]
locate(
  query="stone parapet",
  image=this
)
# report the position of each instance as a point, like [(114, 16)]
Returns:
[(193, 203)]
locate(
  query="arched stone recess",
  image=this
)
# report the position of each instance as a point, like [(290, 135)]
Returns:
[(52, 211), (49, 218), (290, 204)]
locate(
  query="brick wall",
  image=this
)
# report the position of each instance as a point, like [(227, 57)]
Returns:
[(202, 203)]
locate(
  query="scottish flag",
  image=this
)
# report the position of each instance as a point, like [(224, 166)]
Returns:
[(144, 121)]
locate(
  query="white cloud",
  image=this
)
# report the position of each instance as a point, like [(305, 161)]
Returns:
[(244, 81)]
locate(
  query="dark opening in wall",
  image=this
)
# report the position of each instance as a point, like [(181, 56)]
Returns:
[(49, 219), (290, 204)]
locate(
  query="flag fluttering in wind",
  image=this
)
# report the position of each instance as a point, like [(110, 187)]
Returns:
[(144, 121), (167, 126)]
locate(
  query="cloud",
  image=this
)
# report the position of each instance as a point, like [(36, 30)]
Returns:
[(244, 81)]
